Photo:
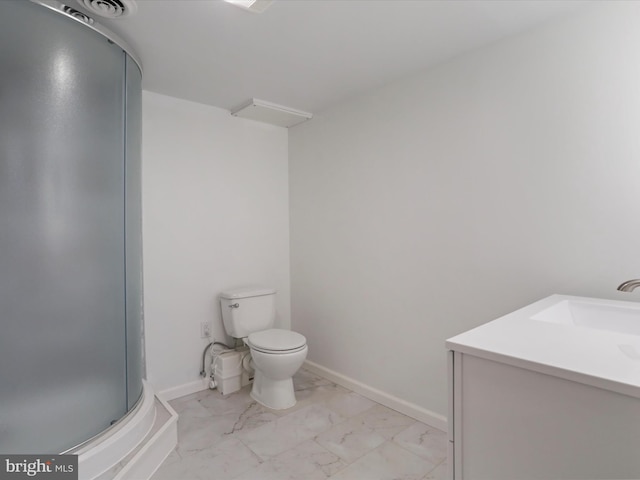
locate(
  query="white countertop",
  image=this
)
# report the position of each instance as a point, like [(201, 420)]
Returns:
[(600, 358)]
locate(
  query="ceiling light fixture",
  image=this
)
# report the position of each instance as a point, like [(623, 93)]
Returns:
[(272, 113), (255, 6)]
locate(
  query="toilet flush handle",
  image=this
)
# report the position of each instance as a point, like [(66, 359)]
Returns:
[(234, 305)]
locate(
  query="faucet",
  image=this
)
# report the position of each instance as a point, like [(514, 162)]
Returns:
[(629, 285)]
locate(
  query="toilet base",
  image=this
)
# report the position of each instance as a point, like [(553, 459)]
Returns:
[(274, 394)]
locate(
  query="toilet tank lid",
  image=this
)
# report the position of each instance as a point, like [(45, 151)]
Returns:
[(247, 292)]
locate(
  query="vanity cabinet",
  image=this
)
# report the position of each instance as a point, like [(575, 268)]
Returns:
[(549, 391), (525, 422)]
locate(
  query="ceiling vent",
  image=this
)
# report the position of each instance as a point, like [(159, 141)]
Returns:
[(78, 15), (110, 8), (266, 112)]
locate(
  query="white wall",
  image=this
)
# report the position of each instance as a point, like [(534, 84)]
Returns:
[(443, 201), (215, 216)]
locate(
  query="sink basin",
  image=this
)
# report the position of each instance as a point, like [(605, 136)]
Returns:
[(598, 316)]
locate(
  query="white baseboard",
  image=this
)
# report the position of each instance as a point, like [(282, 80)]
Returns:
[(184, 389), (411, 409)]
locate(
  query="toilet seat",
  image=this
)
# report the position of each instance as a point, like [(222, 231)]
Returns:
[(276, 340)]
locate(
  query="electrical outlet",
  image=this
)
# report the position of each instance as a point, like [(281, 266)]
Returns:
[(205, 330)]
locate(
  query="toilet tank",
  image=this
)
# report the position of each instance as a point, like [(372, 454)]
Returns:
[(247, 310)]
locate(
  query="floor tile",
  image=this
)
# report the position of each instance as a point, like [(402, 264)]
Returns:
[(313, 394), (239, 411), (304, 380), (197, 429), (387, 462), (308, 461), (276, 437), (348, 404), (218, 404), (227, 459), (351, 439), (191, 408), (330, 433), (182, 403), (438, 473), (385, 422), (424, 441), (205, 421)]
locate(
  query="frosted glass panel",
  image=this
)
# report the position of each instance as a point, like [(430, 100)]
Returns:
[(62, 297), (133, 233)]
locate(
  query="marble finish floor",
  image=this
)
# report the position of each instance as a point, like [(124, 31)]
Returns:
[(331, 433)]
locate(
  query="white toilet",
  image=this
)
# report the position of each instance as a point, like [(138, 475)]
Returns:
[(277, 354)]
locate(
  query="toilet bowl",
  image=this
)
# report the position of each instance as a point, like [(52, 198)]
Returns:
[(277, 355)]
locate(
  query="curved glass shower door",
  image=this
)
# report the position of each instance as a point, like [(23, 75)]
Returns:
[(63, 336)]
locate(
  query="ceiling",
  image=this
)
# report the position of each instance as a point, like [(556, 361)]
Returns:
[(310, 54)]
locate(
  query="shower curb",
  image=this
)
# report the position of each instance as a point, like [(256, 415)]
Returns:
[(153, 451), (136, 450)]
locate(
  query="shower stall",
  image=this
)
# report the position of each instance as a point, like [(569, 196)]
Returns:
[(71, 352)]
